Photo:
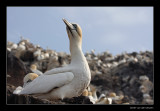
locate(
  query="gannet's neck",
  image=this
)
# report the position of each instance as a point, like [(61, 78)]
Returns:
[(76, 53)]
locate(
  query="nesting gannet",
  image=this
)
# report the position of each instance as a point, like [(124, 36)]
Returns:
[(64, 82), (35, 70), (26, 80), (103, 100), (92, 94), (29, 78)]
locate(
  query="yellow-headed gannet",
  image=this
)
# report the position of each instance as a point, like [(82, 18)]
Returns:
[(29, 78), (26, 80), (64, 82)]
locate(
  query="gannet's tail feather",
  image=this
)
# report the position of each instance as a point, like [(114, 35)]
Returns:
[(17, 90), (45, 83)]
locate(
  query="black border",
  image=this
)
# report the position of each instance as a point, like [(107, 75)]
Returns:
[(83, 3)]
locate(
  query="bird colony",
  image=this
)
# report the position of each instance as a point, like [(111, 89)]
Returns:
[(126, 78)]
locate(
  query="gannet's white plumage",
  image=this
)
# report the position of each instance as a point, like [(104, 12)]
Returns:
[(64, 82)]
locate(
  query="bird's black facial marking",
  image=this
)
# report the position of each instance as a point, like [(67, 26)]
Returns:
[(69, 30), (29, 81), (75, 26)]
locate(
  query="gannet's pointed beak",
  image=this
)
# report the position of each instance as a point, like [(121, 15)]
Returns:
[(69, 25)]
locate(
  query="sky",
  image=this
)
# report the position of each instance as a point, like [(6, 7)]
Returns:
[(112, 29)]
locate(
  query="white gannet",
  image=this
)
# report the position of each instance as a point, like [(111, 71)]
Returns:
[(103, 100), (64, 82), (92, 94), (146, 84), (29, 78), (21, 47), (37, 53), (14, 46), (26, 80), (9, 49), (46, 55)]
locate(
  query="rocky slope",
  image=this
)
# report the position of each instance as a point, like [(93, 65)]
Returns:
[(129, 75)]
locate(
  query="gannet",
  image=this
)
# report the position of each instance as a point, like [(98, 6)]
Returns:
[(29, 78), (35, 70), (104, 100), (14, 46), (146, 84), (9, 49), (26, 80), (92, 94), (21, 47), (37, 53), (64, 82), (46, 55)]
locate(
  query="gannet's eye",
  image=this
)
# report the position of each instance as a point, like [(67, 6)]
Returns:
[(78, 29), (75, 26)]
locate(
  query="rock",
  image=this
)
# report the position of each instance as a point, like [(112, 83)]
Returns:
[(16, 70), (77, 100)]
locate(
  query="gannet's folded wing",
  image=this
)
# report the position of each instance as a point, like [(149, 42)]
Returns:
[(59, 70), (45, 83)]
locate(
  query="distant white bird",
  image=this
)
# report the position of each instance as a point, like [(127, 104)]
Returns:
[(22, 43), (115, 98), (103, 100), (40, 57), (122, 61), (46, 55), (146, 84), (69, 81), (14, 46), (8, 49), (92, 94), (37, 53), (21, 47), (114, 64), (132, 59), (35, 70), (99, 62)]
